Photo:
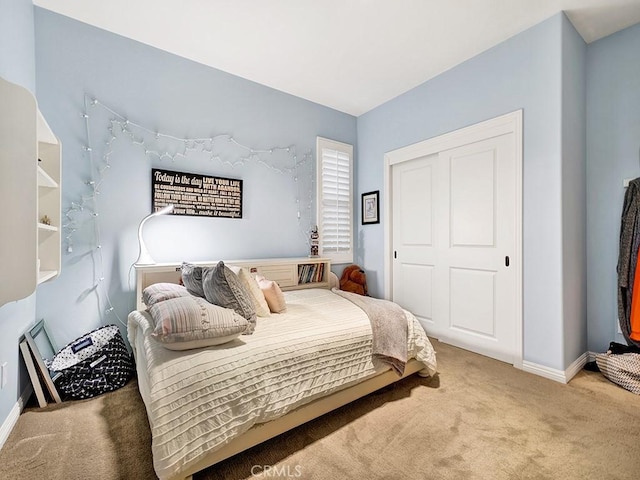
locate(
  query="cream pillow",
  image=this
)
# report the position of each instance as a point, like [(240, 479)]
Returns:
[(252, 287), (272, 294)]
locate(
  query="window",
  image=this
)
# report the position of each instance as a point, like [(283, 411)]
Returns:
[(335, 209)]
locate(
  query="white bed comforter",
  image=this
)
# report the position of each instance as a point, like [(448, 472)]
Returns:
[(199, 400)]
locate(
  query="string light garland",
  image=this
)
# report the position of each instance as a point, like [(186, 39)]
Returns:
[(152, 145)]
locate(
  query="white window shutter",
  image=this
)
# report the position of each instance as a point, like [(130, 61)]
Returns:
[(335, 206)]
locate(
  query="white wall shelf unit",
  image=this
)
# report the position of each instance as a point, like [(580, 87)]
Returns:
[(30, 161)]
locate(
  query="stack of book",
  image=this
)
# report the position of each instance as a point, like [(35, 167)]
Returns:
[(310, 272)]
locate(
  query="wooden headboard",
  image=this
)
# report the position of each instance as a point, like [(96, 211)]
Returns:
[(290, 273)]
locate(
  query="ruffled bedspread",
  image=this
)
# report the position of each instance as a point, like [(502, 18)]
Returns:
[(199, 400)]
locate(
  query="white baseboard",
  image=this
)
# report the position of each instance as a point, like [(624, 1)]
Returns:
[(12, 418), (576, 366), (554, 374)]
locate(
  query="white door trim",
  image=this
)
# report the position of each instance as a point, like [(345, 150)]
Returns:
[(504, 124)]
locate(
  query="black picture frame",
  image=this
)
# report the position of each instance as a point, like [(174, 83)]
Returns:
[(371, 208), (195, 194)]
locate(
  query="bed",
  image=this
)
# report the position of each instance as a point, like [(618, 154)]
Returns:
[(207, 404)]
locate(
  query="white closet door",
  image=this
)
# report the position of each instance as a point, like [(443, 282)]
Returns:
[(454, 241), (415, 213), (478, 241)]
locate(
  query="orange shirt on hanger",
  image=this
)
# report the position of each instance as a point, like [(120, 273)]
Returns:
[(635, 304)]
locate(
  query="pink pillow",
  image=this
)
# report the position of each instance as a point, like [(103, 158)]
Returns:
[(272, 294)]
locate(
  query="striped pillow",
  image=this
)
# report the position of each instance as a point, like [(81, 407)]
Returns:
[(191, 322), (159, 292)]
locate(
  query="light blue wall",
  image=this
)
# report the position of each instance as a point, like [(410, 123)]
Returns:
[(17, 55), (176, 96), (17, 64), (522, 72), (574, 212), (538, 70), (613, 154)]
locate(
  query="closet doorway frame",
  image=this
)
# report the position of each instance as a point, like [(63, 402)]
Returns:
[(504, 124)]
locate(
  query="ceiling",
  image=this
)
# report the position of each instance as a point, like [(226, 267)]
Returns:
[(350, 55)]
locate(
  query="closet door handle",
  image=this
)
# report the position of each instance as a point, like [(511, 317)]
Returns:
[(506, 261)]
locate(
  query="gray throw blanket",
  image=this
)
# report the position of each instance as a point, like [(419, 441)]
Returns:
[(389, 327)]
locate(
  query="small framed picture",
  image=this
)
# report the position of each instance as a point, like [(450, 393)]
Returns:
[(370, 207), (41, 346)]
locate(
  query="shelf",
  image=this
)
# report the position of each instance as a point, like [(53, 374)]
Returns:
[(50, 228), (45, 180), (48, 183), (45, 134), (45, 275), (310, 273)]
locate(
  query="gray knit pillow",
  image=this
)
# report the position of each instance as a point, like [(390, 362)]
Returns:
[(223, 287), (192, 279)]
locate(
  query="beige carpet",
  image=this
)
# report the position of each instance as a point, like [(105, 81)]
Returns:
[(477, 419)]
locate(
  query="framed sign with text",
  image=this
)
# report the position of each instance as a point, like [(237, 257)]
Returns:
[(195, 194)]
